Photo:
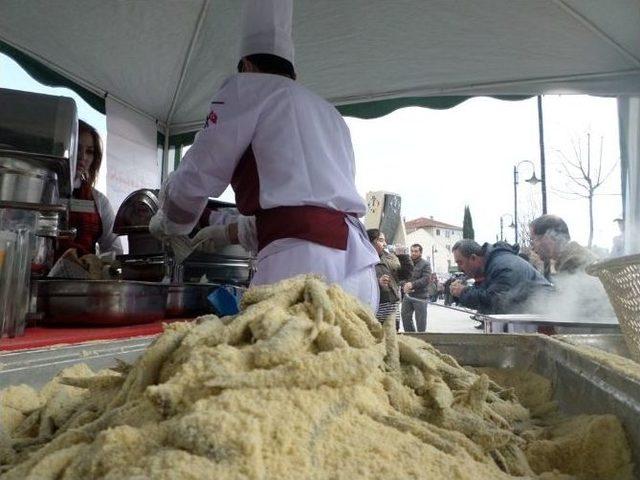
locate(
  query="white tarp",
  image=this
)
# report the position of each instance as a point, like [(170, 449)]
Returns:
[(132, 161), (167, 57)]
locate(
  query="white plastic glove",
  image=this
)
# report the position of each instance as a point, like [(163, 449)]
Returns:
[(156, 226), (211, 238), (180, 244)]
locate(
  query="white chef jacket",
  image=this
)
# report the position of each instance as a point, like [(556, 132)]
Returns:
[(108, 241), (303, 155)]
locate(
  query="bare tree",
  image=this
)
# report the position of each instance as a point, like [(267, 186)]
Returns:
[(528, 215), (584, 174)]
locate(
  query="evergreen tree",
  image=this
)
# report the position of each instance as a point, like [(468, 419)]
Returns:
[(467, 224)]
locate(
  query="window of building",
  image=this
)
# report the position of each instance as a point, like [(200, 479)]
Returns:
[(438, 232)]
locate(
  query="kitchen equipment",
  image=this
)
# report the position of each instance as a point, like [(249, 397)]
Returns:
[(530, 323), (43, 126), (191, 299), (581, 384), (100, 302), (38, 147), (25, 181), (148, 259), (620, 277), (16, 244), (607, 342)]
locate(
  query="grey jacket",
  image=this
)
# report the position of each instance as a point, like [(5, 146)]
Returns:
[(420, 278)]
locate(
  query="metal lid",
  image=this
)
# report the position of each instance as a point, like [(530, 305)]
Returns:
[(136, 211)]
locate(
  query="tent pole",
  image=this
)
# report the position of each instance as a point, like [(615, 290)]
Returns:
[(187, 60), (165, 156)]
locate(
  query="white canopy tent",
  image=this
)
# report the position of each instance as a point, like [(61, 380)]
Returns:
[(164, 59)]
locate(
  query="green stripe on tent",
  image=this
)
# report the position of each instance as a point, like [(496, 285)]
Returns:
[(182, 139), (49, 77), (380, 108)]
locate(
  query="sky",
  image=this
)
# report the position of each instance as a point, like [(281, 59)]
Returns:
[(441, 160)]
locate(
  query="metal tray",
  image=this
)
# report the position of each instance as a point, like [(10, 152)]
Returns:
[(610, 343), (531, 323), (100, 302), (581, 384)]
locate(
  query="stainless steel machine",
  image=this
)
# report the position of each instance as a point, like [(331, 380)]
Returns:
[(148, 260), (38, 143), (197, 277)]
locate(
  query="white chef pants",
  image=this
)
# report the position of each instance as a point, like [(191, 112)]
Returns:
[(364, 286)]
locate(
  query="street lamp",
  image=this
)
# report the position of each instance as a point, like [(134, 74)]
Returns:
[(511, 225), (434, 250), (533, 181)]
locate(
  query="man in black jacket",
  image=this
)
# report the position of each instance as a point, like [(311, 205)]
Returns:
[(415, 292), (504, 281)]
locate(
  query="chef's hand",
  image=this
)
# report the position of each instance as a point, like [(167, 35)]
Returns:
[(384, 280), (209, 239), (456, 288), (407, 287), (179, 245), (156, 227)]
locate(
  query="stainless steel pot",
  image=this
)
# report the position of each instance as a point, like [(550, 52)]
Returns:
[(23, 182), (189, 299), (100, 302)]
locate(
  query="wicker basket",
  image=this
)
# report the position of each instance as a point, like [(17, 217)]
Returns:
[(621, 279)]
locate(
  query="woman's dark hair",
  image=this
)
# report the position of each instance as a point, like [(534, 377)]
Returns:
[(97, 150), (267, 63), (373, 234)]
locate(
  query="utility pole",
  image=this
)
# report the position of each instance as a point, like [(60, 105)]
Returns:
[(515, 200), (543, 169)]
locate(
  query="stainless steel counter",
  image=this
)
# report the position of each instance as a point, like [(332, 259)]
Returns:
[(529, 323), (581, 383)]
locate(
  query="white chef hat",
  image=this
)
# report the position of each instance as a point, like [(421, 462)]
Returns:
[(267, 28)]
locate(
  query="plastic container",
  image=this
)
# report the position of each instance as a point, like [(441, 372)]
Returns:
[(17, 242)]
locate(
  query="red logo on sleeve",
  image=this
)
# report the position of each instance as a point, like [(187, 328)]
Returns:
[(211, 119)]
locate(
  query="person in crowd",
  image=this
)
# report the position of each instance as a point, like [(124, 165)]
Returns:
[(288, 156), (504, 282), (578, 295), (390, 271), (550, 239), (449, 299), (617, 248), (90, 213), (434, 288), (415, 292)]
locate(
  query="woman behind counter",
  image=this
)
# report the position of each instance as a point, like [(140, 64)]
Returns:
[(90, 211)]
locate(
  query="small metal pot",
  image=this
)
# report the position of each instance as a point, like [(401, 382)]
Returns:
[(100, 302), (189, 299), (26, 183)]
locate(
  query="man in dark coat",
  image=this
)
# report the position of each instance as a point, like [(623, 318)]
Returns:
[(504, 282), (415, 292)]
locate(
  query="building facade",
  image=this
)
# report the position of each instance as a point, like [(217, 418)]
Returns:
[(437, 238)]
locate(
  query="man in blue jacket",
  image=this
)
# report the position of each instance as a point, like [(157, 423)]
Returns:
[(504, 282)]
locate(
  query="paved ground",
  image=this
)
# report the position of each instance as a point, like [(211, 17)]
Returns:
[(445, 320)]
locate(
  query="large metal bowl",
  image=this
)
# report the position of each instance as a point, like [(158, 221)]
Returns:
[(100, 302)]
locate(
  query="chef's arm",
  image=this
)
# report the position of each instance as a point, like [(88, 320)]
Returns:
[(207, 168)]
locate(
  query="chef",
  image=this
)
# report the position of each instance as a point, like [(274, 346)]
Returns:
[(287, 154)]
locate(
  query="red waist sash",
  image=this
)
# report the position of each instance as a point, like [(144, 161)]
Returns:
[(315, 224)]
